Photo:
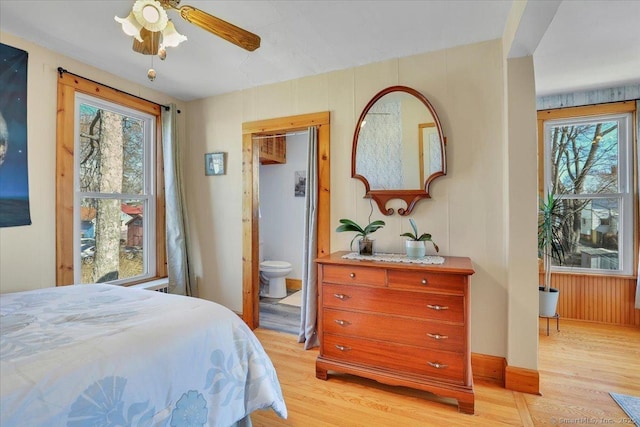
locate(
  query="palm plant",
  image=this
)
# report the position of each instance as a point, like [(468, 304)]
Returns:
[(349, 225), (424, 237), (551, 220)]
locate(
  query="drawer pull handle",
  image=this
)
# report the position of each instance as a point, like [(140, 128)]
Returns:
[(437, 336), (341, 296), (342, 322), (437, 365), (342, 347), (437, 307), (423, 281), (352, 275)]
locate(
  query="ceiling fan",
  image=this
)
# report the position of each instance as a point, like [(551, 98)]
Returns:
[(148, 23)]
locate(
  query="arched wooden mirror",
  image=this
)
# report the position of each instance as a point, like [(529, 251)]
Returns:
[(398, 148)]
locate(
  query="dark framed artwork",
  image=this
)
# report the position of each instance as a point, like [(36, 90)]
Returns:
[(14, 172), (300, 184), (215, 163)]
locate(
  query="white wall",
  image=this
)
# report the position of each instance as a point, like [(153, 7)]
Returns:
[(27, 254), (469, 206), (282, 221)]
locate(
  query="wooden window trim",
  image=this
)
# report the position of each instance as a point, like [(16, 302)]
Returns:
[(596, 110), (68, 85)]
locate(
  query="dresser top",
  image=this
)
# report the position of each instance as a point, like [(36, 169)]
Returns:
[(451, 265)]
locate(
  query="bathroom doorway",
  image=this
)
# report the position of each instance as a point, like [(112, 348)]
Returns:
[(250, 200), (282, 213)]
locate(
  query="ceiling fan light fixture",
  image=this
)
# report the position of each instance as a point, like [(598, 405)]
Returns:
[(130, 26), (171, 37), (150, 14)]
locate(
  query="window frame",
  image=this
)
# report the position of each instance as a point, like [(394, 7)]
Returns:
[(627, 183), (68, 86)]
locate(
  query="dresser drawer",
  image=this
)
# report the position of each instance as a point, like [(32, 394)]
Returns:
[(423, 305), (420, 333), (443, 365), (348, 274), (416, 280)]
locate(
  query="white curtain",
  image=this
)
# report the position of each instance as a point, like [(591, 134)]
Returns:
[(177, 261), (309, 307)]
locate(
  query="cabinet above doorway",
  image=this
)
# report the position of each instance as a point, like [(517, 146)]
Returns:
[(273, 149)]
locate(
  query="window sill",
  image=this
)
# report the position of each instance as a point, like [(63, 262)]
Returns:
[(153, 284)]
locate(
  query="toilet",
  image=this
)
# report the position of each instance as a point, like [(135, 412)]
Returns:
[(272, 277)]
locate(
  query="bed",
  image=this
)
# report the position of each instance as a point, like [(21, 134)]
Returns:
[(104, 355)]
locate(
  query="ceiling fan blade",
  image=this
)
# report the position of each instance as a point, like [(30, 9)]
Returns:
[(220, 28)]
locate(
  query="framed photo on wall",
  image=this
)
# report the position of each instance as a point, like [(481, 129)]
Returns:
[(215, 163), (300, 184)]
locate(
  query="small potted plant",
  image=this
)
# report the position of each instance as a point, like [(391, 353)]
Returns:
[(551, 221), (415, 246), (365, 245)]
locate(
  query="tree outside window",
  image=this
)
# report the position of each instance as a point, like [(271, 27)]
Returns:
[(587, 167), (114, 193)]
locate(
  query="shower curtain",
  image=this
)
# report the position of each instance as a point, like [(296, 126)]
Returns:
[(309, 307)]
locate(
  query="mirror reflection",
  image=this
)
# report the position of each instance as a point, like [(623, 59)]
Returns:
[(398, 147), (391, 141)]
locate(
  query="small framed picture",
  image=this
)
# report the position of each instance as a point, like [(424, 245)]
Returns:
[(214, 163), (300, 183)]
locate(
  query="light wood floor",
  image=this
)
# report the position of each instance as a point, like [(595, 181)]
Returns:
[(578, 368)]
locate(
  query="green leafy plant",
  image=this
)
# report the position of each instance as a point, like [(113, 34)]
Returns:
[(551, 221), (349, 225), (424, 237)]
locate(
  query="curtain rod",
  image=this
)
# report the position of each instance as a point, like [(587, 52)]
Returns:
[(62, 70), (302, 132)]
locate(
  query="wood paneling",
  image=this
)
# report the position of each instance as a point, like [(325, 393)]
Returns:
[(603, 299)]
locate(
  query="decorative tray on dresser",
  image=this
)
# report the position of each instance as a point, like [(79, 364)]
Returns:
[(397, 323)]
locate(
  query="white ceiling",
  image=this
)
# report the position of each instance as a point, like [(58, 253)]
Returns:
[(577, 45)]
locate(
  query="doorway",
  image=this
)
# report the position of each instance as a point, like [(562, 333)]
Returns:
[(250, 198)]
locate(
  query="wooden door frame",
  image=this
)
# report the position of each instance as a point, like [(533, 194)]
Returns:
[(251, 197)]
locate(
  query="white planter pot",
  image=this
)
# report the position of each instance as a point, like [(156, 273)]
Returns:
[(548, 302), (415, 249)]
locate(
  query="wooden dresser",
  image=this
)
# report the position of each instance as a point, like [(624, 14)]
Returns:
[(397, 323)]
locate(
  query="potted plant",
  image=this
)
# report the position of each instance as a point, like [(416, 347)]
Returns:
[(415, 246), (551, 220), (365, 245)]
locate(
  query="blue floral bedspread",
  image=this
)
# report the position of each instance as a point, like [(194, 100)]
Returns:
[(104, 355)]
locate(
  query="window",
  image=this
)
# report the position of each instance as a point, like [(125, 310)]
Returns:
[(113, 202), (108, 152), (588, 164)]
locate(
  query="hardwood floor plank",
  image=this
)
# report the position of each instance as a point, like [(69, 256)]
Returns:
[(523, 409), (578, 368)]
